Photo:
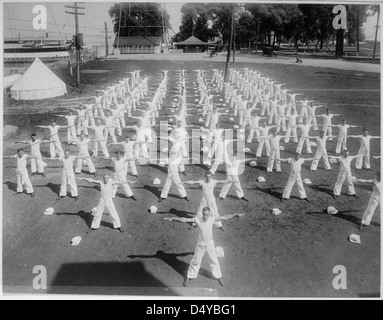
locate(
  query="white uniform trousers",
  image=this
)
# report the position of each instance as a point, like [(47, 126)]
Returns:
[(125, 186), (260, 147), (274, 153), (132, 165), (290, 184), (89, 163), (23, 179), (304, 113), (366, 158), (103, 148), (302, 141), (199, 253), (251, 135), (342, 177), (369, 213), (144, 149), (109, 205), (37, 165), (341, 144), (319, 154), (68, 176), (281, 123), (291, 131), (313, 121), (71, 135), (80, 126), (168, 184), (55, 146), (232, 179), (327, 131), (110, 131)]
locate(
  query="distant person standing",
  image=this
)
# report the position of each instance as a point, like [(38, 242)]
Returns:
[(205, 244), (106, 201), (22, 172), (374, 200), (295, 177), (55, 146), (364, 150), (345, 174), (37, 164)]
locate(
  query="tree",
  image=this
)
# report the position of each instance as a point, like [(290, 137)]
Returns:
[(195, 21), (352, 22), (138, 19)]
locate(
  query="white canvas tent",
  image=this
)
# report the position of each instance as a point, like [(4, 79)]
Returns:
[(38, 83)]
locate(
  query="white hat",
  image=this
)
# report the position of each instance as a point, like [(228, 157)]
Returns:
[(200, 120), (172, 111), (196, 100), (157, 181), (205, 149), (261, 179), (246, 150), (200, 110), (49, 211), (354, 238), (227, 111), (307, 181), (162, 164), (204, 137), (175, 99), (236, 126), (232, 119), (253, 163), (165, 150), (276, 211), (332, 210), (153, 210), (219, 251), (313, 144), (75, 241), (207, 163), (221, 99), (241, 136), (171, 120), (281, 148)]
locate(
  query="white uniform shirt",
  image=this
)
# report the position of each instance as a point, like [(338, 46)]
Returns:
[(345, 164), (206, 230), (54, 133), (21, 162), (296, 166), (68, 163), (274, 141), (208, 189), (305, 128), (83, 147), (99, 132), (321, 143), (106, 190), (128, 149), (35, 148), (343, 130), (119, 166), (71, 120), (327, 119)]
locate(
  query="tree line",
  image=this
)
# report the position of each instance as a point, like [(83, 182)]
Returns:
[(271, 24)]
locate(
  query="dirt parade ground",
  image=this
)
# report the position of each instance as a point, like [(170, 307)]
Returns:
[(292, 254)]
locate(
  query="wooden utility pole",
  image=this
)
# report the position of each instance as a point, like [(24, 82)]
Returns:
[(357, 29), (376, 33), (78, 43), (233, 31), (258, 29), (106, 40), (229, 47)]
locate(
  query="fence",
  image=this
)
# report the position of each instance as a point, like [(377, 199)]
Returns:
[(140, 50)]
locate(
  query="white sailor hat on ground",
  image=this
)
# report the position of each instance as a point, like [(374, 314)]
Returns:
[(276, 211), (153, 210), (246, 150), (219, 251), (307, 181), (281, 148), (253, 163), (200, 120), (354, 238), (49, 211), (236, 126), (207, 163), (157, 181), (75, 241), (332, 210), (165, 150), (261, 179), (232, 119)]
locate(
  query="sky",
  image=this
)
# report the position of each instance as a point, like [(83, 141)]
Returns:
[(17, 18)]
